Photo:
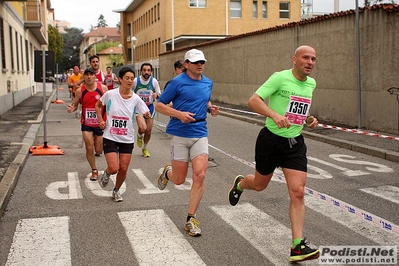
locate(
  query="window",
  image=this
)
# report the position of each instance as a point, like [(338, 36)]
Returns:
[(235, 8), (16, 50), (3, 50), (129, 29), (11, 50), (27, 55), (284, 10), (255, 9), (22, 52), (264, 9), (197, 3)]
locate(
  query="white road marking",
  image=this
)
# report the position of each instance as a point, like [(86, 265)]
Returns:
[(390, 193), (156, 240), (41, 241), (97, 190), (375, 167), (73, 185), (149, 187), (271, 238), (345, 171)]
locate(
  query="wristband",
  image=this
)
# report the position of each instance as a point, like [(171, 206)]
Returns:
[(208, 110)]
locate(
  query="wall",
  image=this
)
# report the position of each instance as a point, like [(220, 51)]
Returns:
[(238, 65), (21, 78)]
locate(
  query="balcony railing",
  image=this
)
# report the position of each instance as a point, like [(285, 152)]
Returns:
[(33, 11), (33, 20)]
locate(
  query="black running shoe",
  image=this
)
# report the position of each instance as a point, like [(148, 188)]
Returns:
[(302, 252), (234, 194)]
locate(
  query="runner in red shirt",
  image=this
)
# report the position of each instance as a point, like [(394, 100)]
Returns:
[(110, 79), (87, 95)]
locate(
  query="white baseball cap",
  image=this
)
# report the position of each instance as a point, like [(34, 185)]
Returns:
[(194, 55)]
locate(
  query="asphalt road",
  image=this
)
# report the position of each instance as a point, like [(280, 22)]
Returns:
[(56, 216)]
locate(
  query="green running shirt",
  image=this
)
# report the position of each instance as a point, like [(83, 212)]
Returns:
[(289, 97)]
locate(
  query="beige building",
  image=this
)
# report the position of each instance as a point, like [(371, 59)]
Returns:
[(88, 47), (61, 25), (151, 27), (23, 29)]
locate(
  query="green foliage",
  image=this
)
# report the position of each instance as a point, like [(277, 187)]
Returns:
[(101, 21), (71, 52), (115, 60), (55, 42), (104, 45)]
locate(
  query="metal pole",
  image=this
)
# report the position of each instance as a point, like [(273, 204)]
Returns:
[(359, 86), (173, 25), (44, 97), (56, 81)]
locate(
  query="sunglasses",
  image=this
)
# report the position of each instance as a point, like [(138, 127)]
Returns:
[(202, 62)]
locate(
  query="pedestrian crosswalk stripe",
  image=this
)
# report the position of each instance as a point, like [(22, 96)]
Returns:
[(41, 241), (156, 240), (266, 234), (390, 193)]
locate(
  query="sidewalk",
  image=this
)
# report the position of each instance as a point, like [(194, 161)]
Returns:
[(18, 130), (21, 124)]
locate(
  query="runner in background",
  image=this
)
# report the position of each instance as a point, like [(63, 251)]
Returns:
[(147, 87), (87, 95), (74, 84), (110, 79), (179, 68)]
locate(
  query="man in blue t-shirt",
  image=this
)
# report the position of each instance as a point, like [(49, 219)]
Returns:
[(190, 93)]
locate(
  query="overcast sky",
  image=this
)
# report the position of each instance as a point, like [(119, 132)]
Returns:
[(84, 13)]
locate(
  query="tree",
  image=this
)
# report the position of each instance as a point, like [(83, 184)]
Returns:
[(101, 21), (55, 42), (70, 53)]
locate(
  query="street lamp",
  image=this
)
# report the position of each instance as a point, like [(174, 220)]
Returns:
[(134, 42), (121, 61), (112, 56)]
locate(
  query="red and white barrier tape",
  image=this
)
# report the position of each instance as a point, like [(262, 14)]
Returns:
[(356, 131), (340, 205)]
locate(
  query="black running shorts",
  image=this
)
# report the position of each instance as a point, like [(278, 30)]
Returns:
[(272, 151), (96, 130), (113, 146)]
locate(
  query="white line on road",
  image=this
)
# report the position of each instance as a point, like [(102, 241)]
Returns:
[(390, 193), (155, 239), (41, 241), (345, 171), (97, 190), (149, 187), (271, 238), (73, 185)]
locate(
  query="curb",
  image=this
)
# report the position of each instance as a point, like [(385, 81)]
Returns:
[(10, 178), (370, 150)]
